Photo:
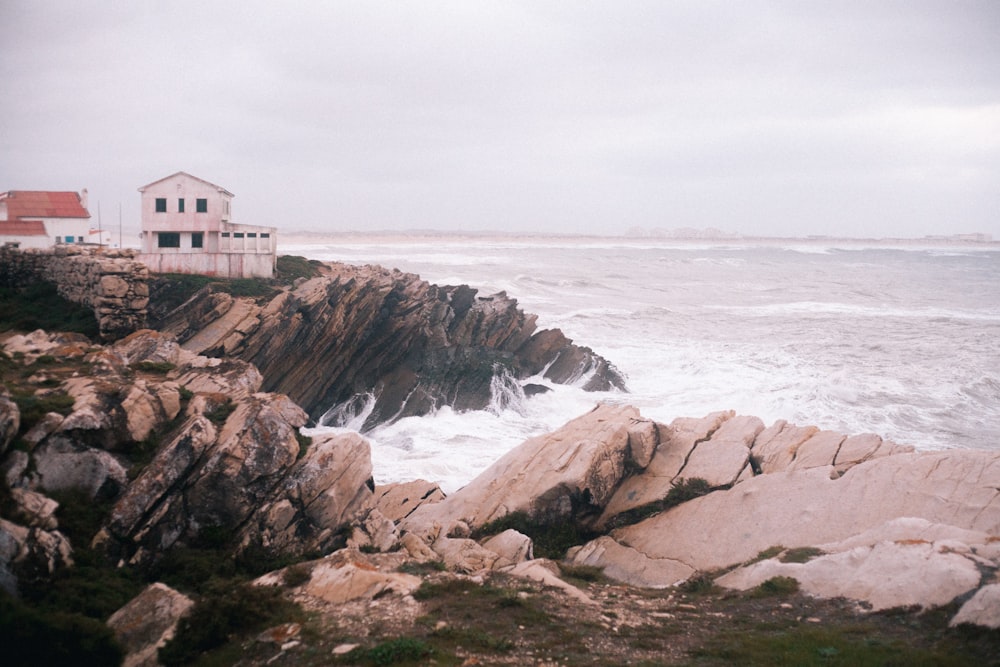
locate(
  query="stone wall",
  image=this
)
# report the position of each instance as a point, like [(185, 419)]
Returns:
[(111, 282)]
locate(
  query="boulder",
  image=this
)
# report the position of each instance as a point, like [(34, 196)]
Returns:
[(148, 622), (62, 464), (348, 575), (512, 548), (982, 609), (571, 471)]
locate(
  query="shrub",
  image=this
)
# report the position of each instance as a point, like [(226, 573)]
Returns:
[(32, 637), (34, 407), (551, 538), (221, 412), (681, 491), (292, 267), (777, 586), (39, 306), (224, 613), (161, 367), (403, 649), (800, 555)]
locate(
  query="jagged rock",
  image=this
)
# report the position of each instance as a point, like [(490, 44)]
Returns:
[(14, 468), (30, 552), (325, 490), (34, 510), (374, 531), (720, 459), (397, 501), (45, 427), (676, 442), (147, 345), (512, 548), (348, 575), (412, 345), (574, 469), (982, 609), (147, 622), (10, 419), (774, 449), (464, 555)]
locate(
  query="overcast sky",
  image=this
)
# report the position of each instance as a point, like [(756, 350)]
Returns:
[(864, 118)]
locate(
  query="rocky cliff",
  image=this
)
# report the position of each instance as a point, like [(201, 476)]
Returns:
[(368, 334)]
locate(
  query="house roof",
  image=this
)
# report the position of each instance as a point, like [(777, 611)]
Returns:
[(23, 204), (184, 173), (22, 228)]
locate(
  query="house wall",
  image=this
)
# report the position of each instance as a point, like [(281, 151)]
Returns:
[(221, 265), (190, 190), (27, 241), (62, 227)]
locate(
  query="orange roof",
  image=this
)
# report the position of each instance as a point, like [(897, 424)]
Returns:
[(40, 204), (22, 228)]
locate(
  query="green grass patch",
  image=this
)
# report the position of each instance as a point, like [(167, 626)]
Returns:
[(292, 267), (33, 407), (220, 413), (304, 443), (158, 367), (226, 613), (39, 306), (776, 586), (812, 646), (399, 651), (800, 555)]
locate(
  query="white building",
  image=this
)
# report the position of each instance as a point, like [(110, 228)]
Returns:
[(186, 228), (42, 219)]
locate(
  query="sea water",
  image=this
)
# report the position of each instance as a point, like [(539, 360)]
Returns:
[(901, 341)]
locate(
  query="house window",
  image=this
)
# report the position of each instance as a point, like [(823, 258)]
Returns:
[(197, 239), (237, 235), (201, 205), (180, 205), (69, 239), (58, 239), (161, 204), (265, 235), (225, 235), (168, 240), (251, 235)]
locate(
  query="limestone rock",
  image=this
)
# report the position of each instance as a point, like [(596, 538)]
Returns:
[(512, 548), (397, 501), (983, 608), (148, 622), (464, 555), (545, 572), (776, 446), (574, 469), (626, 564), (349, 575), (807, 507)]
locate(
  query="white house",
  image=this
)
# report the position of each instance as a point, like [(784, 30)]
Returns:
[(42, 219), (187, 228)]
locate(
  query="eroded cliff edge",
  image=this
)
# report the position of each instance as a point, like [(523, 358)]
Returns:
[(367, 333)]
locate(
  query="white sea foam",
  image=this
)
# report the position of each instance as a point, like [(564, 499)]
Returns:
[(902, 344)]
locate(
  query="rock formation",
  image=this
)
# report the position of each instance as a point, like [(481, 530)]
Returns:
[(360, 334)]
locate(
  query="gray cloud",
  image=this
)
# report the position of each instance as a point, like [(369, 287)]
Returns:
[(854, 118)]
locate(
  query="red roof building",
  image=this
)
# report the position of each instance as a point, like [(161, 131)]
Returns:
[(40, 219)]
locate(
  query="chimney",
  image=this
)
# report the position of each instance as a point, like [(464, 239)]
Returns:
[(83, 198)]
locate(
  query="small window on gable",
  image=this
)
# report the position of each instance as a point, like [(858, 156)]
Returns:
[(168, 240), (161, 204), (197, 239), (201, 205), (180, 205)]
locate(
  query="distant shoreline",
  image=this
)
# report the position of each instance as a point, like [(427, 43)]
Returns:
[(425, 236)]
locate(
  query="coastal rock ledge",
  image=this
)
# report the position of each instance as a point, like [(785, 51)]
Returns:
[(855, 517), (380, 344)]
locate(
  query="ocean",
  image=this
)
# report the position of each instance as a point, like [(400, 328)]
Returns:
[(900, 341)]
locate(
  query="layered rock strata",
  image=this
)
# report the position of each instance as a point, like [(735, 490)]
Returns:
[(369, 338)]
